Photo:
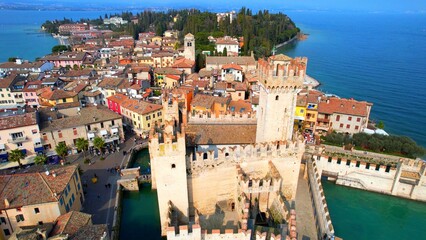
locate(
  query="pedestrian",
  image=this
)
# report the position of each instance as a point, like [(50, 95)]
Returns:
[(99, 196), (96, 176), (106, 185)]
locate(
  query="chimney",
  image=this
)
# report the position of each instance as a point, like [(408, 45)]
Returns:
[(6, 203), (94, 119)]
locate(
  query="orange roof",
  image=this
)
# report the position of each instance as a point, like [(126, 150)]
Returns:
[(140, 107), (344, 106), (174, 77), (232, 66), (183, 63), (117, 98)]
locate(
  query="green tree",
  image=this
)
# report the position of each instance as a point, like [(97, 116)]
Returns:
[(40, 159), (380, 125), (82, 145), (62, 150), (60, 48), (225, 52), (16, 155), (98, 143), (12, 59)]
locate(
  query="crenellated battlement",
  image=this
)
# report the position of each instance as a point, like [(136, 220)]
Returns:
[(195, 232), (228, 117), (270, 183), (167, 142), (282, 75), (230, 156)]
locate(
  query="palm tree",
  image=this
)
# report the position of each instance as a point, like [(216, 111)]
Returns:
[(98, 143), (62, 150), (82, 145), (16, 155), (40, 159)]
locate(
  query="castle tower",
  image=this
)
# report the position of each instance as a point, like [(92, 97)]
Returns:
[(277, 102), (189, 47), (168, 174)]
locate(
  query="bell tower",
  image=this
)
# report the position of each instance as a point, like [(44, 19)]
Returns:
[(189, 47)]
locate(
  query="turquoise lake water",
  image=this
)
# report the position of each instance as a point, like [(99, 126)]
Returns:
[(358, 214)]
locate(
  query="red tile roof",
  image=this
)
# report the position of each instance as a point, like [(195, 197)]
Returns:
[(344, 106), (174, 77), (70, 223), (16, 121), (183, 63), (232, 66)]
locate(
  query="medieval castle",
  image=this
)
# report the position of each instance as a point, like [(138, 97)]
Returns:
[(231, 176)]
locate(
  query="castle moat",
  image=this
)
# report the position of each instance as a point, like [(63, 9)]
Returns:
[(359, 214)]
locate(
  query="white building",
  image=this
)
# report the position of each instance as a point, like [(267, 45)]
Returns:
[(115, 21), (231, 44)]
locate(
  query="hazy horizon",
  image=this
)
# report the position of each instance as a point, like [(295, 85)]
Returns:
[(377, 6)]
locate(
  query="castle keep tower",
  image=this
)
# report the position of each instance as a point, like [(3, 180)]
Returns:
[(280, 78), (189, 47), (168, 171)]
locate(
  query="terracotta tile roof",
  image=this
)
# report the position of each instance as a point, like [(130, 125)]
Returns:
[(240, 106), (220, 134), (221, 86), (118, 98), (32, 86), (91, 232), (68, 56), (313, 96), (70, 223), (301, 100), (24, 65), (92, 93), (243, 60), (193, 77), (7, 81), (226, 41), (206, 101), (239, 86), (78, 73), (56, 94), (205, 73), (110, 82), (67, 105), (87, 115), (16, 121), (174, 77), (232, 66), (183, 63), (136, 87), (200, 83), (23, 189), (140, 107), (344, 106)]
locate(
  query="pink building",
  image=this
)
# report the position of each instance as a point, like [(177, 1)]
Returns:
[(30, 93), (69, 59)]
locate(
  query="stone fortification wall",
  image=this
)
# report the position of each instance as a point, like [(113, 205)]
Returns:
[(322, 216), (228, 118), (194, 232), (375, 172)]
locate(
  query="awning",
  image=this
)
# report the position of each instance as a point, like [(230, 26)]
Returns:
[(24, 151), (299, 118), (39, 149), (114, 130), (2, 147), (91, 135), (4, 155), (104, 132), (37, 141)]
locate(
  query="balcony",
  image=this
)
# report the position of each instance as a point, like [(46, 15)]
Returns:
[(17, 139)]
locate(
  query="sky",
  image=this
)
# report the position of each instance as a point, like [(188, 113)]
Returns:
[(404, 6)]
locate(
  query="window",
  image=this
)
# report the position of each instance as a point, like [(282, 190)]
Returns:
[(36, 210), (339, 160), (377, 167), (349, 118), (302, 111), (153, 115), (6, 232), (239, 94), (341, 125), (356, 127), (112, 122), (64, 100), (19, 145), (329, 159), (78, 186), (367, 166), (34, 131), (149, 125), (20, 218), (338, 118), (2, 220), (358, 119), (159, 114), (59, 133), (61, 201), (69, 187), (89, 128), (348, 162), (277, 98), (75, 131), (348, 126), (102, 125), (358, 163), (44, 137), (173, 165), (40, 223)]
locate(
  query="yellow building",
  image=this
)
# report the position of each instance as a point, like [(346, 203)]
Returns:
[(161, 73), (8, 98), (300, 111), (210, 105), (51, 98), (35, 196), (141, 115)]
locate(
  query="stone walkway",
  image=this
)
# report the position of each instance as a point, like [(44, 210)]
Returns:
[(99, 199), (305, 213)]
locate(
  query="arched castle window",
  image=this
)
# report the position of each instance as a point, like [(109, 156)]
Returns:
[(173, 165), (204, 156), (277, 98)]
